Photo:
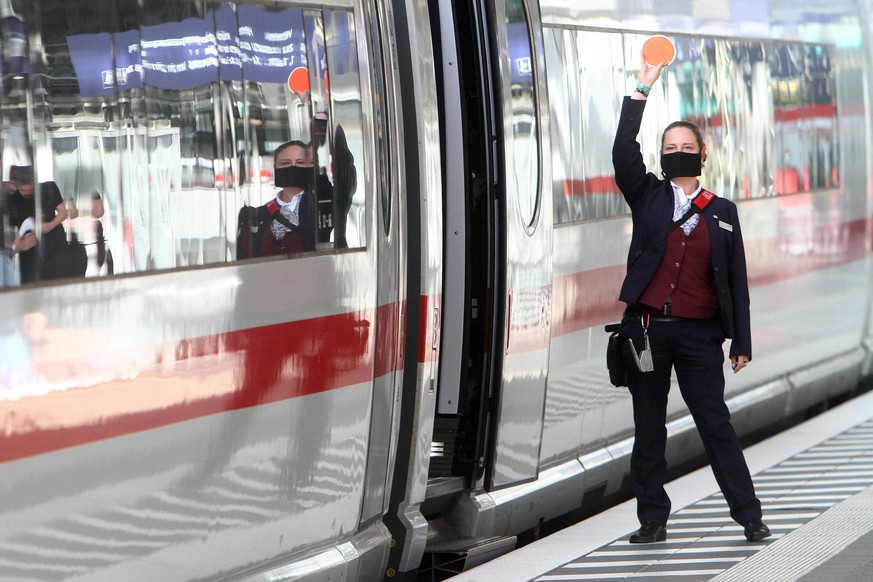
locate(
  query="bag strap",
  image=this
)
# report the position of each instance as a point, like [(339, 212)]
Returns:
[(273, 209), (700, 202)]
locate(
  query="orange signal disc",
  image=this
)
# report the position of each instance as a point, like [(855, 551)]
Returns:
[(298, 80), (658, 49)]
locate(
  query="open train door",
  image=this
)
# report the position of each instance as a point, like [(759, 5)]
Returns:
[(527, 238), (496, 301)]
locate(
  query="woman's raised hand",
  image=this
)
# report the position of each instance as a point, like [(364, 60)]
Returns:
[(648, 73)]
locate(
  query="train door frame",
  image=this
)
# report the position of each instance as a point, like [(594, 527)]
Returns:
[(417, 119), (472, 265), (390, 258), (478, 394)]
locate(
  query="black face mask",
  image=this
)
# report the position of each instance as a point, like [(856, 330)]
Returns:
[(294, 176), (681, 164)]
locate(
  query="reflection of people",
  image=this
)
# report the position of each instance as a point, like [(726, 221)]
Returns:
[(323, 187), (344, 185), (85, 230), (292, 224), (104, 257), (52, 239), (10, 239), (686, 292)]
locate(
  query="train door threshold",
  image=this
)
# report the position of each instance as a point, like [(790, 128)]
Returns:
[(449, 557)]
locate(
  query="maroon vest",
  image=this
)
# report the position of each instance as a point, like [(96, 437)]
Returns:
[(684, 277)]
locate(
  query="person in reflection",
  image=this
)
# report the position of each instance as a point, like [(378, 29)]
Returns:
[(324, 191), (686, 291), (103, 256), (52, 237), (334, 199), (85, 231), (11, 239), (292, 213)]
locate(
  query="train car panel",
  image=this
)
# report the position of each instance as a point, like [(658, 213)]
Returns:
[(139, 402), (582, 301), (91, 503)]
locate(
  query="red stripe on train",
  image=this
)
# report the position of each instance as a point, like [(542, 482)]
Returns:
[(391, 327), (429, 324), (590, 298), (201, 377)]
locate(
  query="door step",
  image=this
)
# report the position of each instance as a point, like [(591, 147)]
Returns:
[(447, 558)]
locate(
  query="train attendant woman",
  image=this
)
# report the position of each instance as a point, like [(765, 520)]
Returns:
[(686, 291), (293, 211)]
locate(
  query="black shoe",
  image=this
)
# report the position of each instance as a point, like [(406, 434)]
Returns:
[(756, 531), (649, 533)]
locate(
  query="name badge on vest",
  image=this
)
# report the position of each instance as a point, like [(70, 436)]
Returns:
[(726, 226)]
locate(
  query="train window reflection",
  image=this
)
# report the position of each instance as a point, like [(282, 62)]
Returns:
[(523, 149), (346, 148), (768, 111), (157, 123), (583, 89)]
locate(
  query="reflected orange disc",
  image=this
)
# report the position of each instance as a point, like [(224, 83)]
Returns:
[(658, 49), (298, 80)]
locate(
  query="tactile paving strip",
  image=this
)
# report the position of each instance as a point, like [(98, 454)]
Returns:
[(816, 503), (810, 545)]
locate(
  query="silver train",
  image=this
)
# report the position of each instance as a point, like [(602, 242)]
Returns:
[(422, 385)]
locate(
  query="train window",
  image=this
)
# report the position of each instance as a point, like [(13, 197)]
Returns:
[(523, 149), (140, 135), (583, 87), (768, 111), (803, 88)]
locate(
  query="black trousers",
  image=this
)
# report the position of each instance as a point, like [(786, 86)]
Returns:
[(693, 348)]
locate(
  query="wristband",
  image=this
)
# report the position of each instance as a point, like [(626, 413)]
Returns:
[(643, 89)]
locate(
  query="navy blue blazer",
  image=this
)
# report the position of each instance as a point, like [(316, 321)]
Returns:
[(651, 203)]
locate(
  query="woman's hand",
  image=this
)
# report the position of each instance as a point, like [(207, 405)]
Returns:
[(647, 76), (648, 73), (739, 362)]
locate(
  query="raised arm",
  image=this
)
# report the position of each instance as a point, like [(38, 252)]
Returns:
[(627, 159)]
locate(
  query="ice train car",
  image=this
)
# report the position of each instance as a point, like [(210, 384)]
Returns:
[(404, 375)]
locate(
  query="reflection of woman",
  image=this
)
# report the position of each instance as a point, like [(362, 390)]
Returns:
[(52, 239), (292, 213), (104, 257), (686, 292), (85, 231)]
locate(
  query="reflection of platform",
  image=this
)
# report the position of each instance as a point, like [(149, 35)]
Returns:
[(816, 485)]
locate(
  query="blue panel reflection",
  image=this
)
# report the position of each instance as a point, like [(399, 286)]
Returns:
[(250, 43)]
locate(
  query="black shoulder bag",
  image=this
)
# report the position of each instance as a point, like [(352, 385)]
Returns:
[(614, 357)]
